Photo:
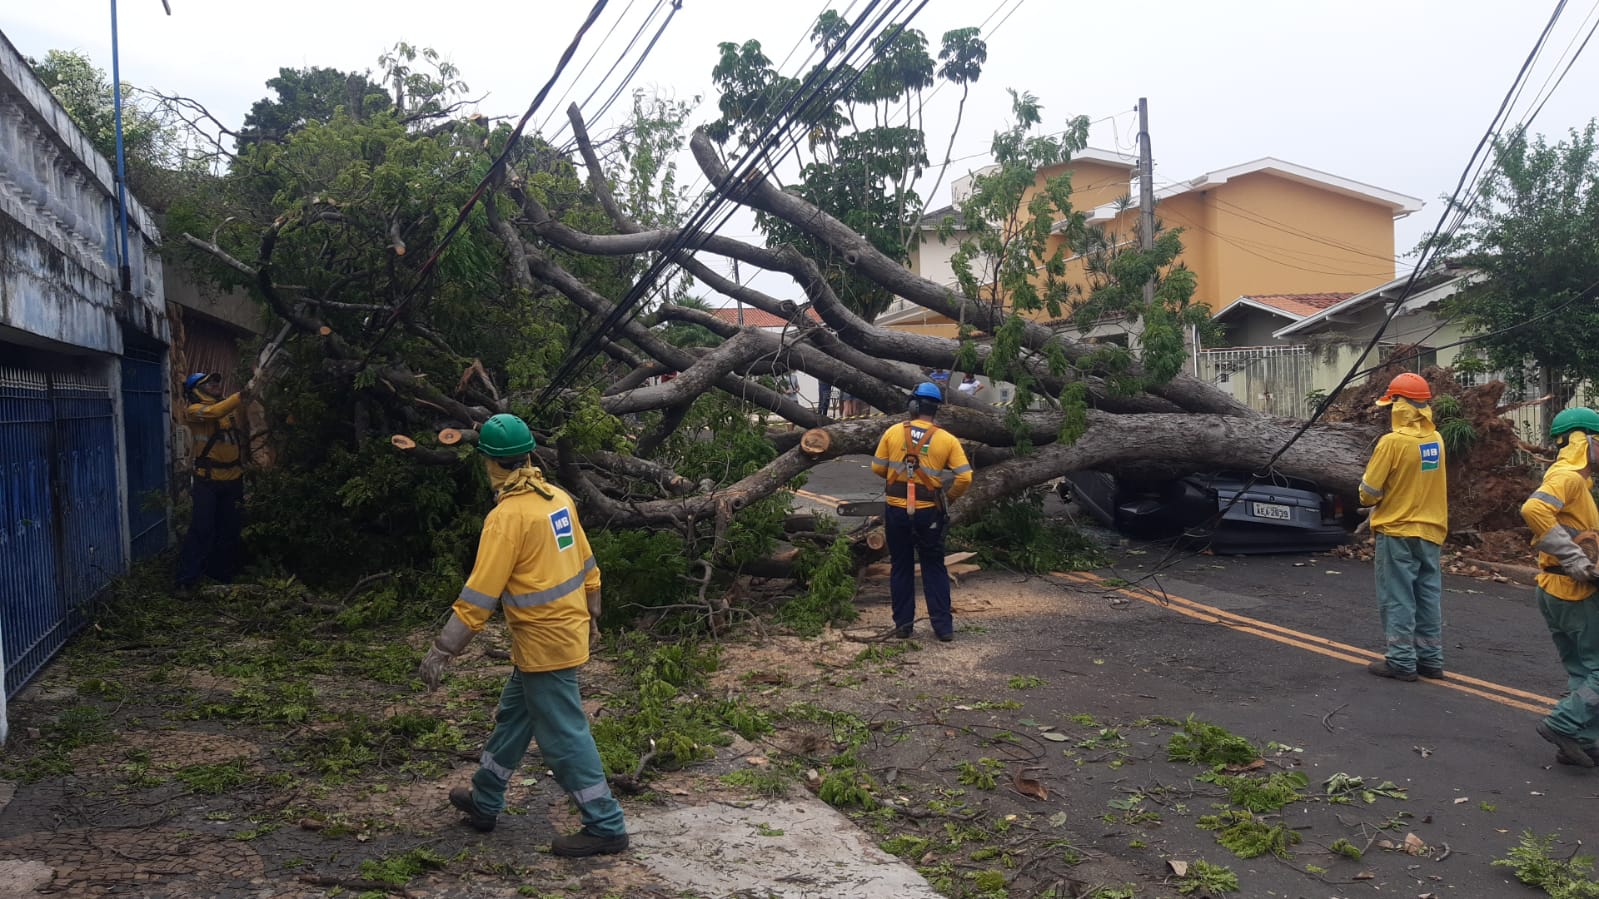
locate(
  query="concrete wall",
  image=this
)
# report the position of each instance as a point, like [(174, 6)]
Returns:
[(58, 230)]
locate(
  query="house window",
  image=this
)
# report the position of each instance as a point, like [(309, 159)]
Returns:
[(1415, 358)]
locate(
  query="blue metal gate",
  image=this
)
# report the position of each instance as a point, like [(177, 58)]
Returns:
[(60, 533), (144, 430)]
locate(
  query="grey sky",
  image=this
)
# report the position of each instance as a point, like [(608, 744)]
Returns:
[(1391, 92)]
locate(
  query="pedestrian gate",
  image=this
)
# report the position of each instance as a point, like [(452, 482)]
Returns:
[(60, 528), (144, 430)]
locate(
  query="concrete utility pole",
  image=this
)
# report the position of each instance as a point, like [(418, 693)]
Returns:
[(1146, 192)]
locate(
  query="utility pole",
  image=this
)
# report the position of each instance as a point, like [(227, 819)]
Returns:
[(1146, 193)]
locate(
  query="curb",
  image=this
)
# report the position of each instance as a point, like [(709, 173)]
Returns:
[(1520, 574)]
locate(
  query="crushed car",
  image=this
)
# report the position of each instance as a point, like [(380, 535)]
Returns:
[(1221, 510)]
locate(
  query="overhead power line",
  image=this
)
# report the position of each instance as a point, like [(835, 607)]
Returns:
[(1449, 219), (693, 233), (488, 177)]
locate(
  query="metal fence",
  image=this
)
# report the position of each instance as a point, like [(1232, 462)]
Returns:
[(1273, 379), (144, 431), (60, 528)]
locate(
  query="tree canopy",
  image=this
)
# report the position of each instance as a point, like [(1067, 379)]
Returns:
[(1531, 232)]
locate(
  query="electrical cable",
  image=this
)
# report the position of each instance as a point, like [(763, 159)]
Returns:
[(694, 230), (598, 48), (488, 177), (637, 64), (1472, 165)]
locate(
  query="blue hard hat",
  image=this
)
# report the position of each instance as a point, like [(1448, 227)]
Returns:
[(929, 391), (193, 381)]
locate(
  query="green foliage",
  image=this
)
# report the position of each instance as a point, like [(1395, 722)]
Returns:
[(77, 727), (214, 780), (151, 140), (361, 743), (661, 708), (1014, 533), (1202, 743), (1343, 847), (906, 846), (829, 598), (642, 570), (1457, 431), (1260, 794), (1247, 836), (1207, 879), (848, 787), (865, 148), (1025, 682), (398, 870), (1535, 865), (1530, 234), (763, 782), (312, 94), (981, 775)]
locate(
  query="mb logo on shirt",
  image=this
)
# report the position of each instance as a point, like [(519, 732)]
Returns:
[(1431, 453), (561, 522)]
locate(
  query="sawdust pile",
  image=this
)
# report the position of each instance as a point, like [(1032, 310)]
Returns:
[(1488, 481)]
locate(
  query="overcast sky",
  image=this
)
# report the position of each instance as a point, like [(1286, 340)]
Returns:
[(1394, 93)]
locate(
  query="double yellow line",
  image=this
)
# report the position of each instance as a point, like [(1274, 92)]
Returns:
[(1499, 693), (1506, 696)]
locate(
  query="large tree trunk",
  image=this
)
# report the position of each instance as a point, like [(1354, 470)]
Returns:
[(1181, 425)]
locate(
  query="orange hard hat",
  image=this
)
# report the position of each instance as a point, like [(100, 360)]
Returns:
[(1409, 385)]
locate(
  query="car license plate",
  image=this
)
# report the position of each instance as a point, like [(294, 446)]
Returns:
[(1271, 510)]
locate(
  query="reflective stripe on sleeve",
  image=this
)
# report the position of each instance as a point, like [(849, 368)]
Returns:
[(551, 594), (480, 599), (962, 469), (1370, 490)]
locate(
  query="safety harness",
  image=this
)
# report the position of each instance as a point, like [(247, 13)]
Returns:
[(913, 467)]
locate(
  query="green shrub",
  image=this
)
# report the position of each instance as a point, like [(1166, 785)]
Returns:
[(1014, 533)]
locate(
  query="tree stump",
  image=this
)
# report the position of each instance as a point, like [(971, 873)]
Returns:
[(815, 442)]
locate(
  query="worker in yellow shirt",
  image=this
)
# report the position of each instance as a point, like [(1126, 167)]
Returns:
[(1406, 485), (211, 546), (534, 559), (924, 469), (1562, 507)]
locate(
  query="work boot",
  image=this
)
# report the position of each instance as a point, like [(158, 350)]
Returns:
[(461, 798), (1592, 752), (1430, 673), (903, 632), (583, 843), (1574, 752), (1382, 669), (945, 638)]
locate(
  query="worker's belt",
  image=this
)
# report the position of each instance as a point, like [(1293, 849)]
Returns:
[(897, 490), (1556, 570), (212, 463)]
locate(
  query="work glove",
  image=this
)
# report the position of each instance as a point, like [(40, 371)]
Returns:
[(1574, 563), (454, 638)]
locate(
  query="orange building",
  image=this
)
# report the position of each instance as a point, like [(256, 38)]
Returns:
[(1266, 227)]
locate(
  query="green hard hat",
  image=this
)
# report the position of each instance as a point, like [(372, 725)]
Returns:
[(1579, 419), (504, 436)]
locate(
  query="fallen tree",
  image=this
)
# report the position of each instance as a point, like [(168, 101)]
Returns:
[(385, 357)]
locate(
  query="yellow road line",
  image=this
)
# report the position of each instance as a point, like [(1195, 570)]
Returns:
[(1504, 695)]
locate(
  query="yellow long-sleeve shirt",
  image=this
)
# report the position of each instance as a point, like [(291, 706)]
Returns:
[(1405, 478), (221, 462), (534, 559), (942, 463), (1564, 499)]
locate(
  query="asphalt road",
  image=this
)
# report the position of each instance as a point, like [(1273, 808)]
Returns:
[(1274, 648)]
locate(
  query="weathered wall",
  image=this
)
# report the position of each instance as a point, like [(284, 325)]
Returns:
[(58, 229)]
